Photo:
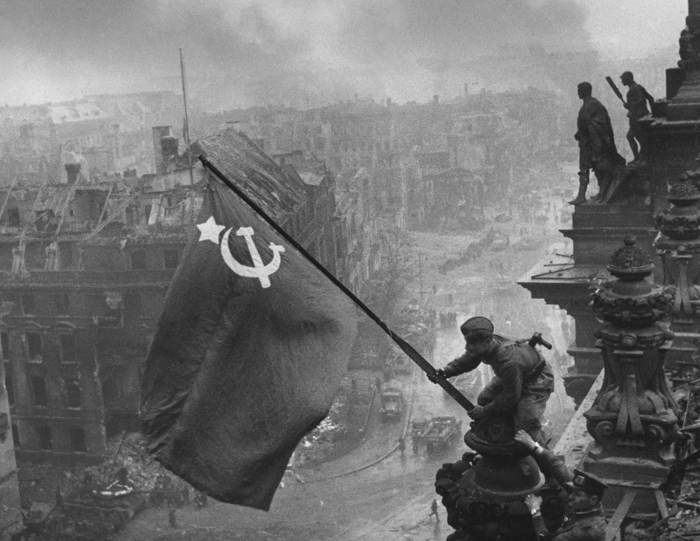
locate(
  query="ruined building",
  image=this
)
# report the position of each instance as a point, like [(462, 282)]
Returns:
[(84, 268)]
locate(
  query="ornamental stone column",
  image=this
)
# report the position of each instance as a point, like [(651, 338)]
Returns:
[(634, 418), (678, 245), (685, 105)]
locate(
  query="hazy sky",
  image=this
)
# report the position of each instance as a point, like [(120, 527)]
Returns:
[(626, 24), (52, 50)]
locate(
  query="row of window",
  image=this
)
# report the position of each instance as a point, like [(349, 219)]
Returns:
[(40, 395), (35, 347), (171, 258), (62, 304), (76, 438)]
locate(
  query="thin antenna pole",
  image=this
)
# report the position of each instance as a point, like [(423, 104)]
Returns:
[(187, 121)]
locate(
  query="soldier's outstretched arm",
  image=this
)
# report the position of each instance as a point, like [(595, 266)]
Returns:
[(462, 364)]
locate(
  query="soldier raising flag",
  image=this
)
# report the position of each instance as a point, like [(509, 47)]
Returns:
[(253, 340)]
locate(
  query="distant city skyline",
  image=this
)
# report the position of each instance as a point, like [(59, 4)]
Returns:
[(245, 51)]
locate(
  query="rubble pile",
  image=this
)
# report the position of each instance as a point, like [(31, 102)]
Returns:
[(128, 451), (322, 443)]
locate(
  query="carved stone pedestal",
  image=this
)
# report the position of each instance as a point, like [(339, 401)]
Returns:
[(484, 501), (678, 245), (634, 417)]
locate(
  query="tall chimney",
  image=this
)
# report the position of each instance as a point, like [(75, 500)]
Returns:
[(72, 170), (159, 132), (466, 89), (436, 98)]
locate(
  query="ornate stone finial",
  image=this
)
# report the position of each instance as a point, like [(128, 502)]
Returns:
[(631, 301), (629, 262), (682, 221), (683, 191)]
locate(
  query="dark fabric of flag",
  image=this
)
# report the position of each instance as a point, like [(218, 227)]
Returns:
[(238, 372)]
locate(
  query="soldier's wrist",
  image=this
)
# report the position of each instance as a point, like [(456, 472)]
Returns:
[(535, 512), (537, 450)]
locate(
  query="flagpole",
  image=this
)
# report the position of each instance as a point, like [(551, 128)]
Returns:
[(405, 346), (186, 133)]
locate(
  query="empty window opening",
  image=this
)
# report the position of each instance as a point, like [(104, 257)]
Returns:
[(41, 398), (138, 260), (5, 345), (77, 440), (62, 303), (73, 394), (28, 304), (170, 259), (13, 217), (132, 303), (45, 438), (34, 346), (68, 348)]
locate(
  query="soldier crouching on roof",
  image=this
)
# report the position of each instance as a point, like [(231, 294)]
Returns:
[(523, 380)]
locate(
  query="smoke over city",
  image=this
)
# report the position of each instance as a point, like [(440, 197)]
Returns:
[(260, 53)]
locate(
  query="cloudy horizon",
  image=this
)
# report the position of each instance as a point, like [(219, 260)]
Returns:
[(253, 52)]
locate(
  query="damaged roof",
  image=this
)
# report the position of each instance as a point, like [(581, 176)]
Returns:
[(275, 190), (76, 112)]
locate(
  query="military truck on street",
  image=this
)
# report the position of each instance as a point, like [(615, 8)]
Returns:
[(392, 404), (441, 432)]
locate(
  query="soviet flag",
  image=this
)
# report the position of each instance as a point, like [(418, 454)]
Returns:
[(248, 355)]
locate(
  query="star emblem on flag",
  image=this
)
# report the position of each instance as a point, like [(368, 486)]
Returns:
[(210, 230)]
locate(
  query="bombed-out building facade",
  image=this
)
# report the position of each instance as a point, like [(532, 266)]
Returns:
[(85, 266)]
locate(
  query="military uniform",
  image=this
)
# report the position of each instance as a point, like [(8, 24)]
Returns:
[(587, 525), (553, 467), (523, 381)]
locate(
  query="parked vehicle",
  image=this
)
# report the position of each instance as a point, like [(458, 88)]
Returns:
[(418, 426), (503, 283), (392, 404), (500, 242), (95, 514), (441, 432)]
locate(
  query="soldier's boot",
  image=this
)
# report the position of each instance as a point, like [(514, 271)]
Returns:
[(582, 187)]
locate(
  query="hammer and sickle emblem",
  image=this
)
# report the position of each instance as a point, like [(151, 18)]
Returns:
[(258, 270)]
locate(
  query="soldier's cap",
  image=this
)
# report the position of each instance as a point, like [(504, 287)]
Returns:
[(626, 74), (587, 482), (476, 323)]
